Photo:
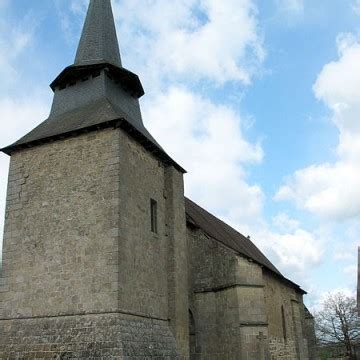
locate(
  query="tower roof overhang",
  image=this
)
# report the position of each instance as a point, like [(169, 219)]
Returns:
[(128, 80), (96, 116)]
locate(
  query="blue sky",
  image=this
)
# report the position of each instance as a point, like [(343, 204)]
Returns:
[(258, 100)]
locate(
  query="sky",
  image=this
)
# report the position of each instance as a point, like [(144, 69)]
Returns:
[(259, 100)]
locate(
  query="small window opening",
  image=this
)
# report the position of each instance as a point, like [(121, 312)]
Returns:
[(153, 211), (283, 322)]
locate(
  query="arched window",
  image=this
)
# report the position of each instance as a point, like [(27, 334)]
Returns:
[(191, 323), (194, 347), (283, 322)]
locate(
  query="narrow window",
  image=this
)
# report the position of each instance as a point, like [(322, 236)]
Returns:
[(283, 322), (153, 211)]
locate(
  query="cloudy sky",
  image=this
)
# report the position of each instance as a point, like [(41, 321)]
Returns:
[(258, 99)]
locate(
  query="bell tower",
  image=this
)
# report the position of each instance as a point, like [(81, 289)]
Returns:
[(95, 251)]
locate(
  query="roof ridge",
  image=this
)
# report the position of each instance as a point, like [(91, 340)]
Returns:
[(228, 227)]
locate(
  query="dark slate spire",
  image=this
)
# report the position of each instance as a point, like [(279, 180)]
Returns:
[(98, 40), (96, 91)]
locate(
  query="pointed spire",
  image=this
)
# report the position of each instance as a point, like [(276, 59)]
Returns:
[(99, 43)]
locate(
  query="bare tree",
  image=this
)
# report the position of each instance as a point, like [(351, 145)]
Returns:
[(338, 323)]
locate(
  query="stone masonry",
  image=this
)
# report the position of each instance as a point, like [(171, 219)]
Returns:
[(107, 336), (85, 188), (235, 304)]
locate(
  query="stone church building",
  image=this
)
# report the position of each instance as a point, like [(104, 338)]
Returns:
[(104, 257)]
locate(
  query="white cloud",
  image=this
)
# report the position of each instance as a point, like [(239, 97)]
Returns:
[(79, 6), (319, 297), (332, 190), (192, 39), (328, 190), (296, 251), (356, 6), (351, 270), (70, 21), (293, 248), (343, 255), (20, 115), (208, 141), (290, 7), (284, 223), (14, 39)]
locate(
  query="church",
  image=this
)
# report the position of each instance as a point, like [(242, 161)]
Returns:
[(105, 258)]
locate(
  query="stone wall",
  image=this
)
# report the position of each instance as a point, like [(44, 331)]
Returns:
[(61, 228), (282, 350), (298, 322), (212, 265), (78, 242), (213, 299), (143, 254), (284, 308), (309, 334), (177, 271), (106, 336), (227, 301), (241, 310), (153, 266)]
